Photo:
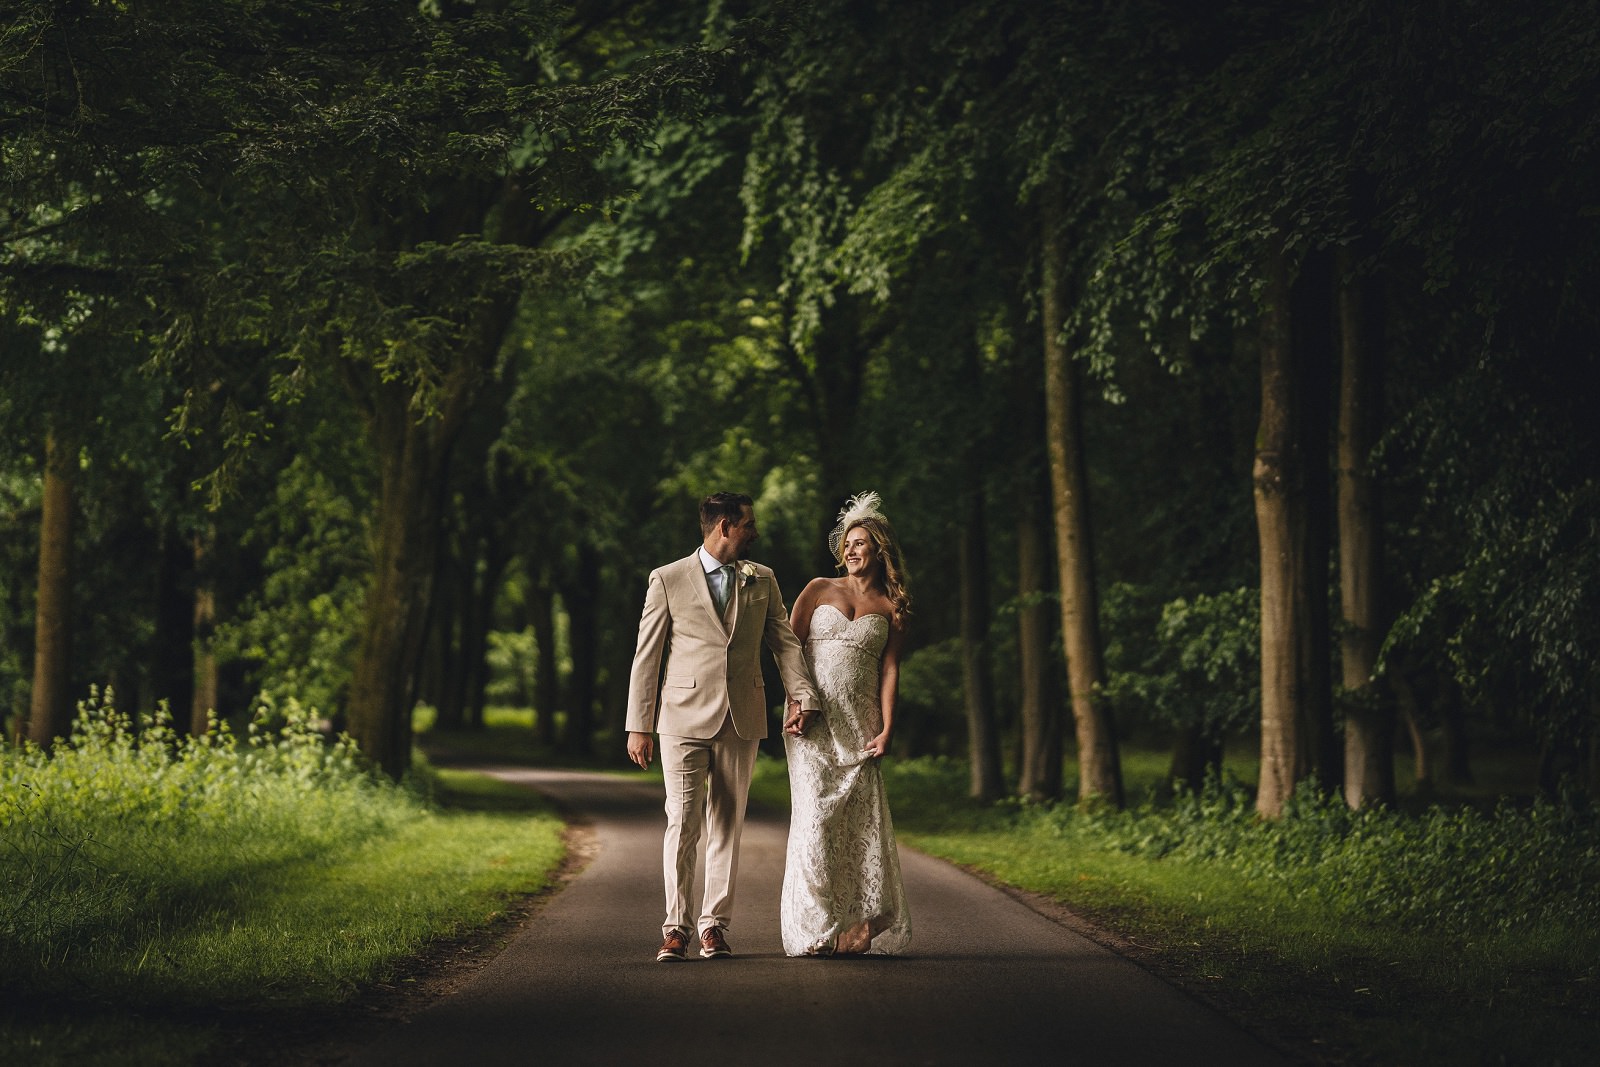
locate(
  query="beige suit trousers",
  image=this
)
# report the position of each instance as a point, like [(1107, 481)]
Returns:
[(708, 783)]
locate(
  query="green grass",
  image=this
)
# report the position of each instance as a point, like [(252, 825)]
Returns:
[(1441, 937), (168, 890)]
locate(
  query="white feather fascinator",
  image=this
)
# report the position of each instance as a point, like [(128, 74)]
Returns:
[(861, 506)]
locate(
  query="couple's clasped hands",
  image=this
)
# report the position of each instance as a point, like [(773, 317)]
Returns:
[(797, 721)]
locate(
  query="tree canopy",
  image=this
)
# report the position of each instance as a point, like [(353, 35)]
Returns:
[(346, 344)]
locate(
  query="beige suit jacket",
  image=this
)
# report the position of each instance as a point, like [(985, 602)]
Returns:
[(693, 667)]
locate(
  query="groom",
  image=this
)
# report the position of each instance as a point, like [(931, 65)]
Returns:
[(697, 682)]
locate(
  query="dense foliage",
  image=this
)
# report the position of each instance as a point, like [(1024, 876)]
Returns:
[(416, 330)]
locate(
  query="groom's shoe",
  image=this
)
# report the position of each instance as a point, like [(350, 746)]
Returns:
[(674, 948), (713, 945)]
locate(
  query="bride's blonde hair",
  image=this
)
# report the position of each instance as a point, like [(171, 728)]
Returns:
[(895, 579)]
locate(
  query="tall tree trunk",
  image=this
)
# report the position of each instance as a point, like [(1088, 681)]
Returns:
[(174, 645), (1591, 774), (831, 391), (1279, 488), (414, 452), (583, 629), (1039, 770), (1099, 765), (477, 624), (51, 708), (614, 697), (1411, 715), (442, 684), (1369, 719), (413, 459), (1312, 331), (1194, 754), (983, 741), (1457, 743), (207, 679), (546, 684)]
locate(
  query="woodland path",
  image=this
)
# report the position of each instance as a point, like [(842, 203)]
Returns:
[(988, 979)]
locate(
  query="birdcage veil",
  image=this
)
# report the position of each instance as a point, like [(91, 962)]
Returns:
[(861, 506)]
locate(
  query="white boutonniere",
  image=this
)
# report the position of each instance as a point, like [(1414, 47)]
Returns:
[(747, 573)]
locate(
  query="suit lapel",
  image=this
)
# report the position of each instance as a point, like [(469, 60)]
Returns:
[(695, 573)]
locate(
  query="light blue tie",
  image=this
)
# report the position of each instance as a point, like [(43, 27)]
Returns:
[(724, 586)]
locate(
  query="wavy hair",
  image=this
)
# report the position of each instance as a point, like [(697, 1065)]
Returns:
[(896, 580)]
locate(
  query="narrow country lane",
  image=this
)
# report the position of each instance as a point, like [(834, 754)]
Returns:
[(988, 979)]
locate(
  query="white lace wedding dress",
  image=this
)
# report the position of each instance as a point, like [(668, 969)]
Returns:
[(843, 869)]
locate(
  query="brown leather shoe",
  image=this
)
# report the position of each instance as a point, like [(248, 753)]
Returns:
[(713, 945), (674, 948)]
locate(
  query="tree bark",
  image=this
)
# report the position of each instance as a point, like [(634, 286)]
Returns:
[(1411, 715), (207, 678), (412, 460), (477, 624), (414, 452), (51, 708), (583, 628), (831, 392), (983, 741), (444, 658), (172, 653), (1457, 742), (1099, 765), (1194, 755), (1369, 719), (546, 685), (1592, 769), (1312, 333), (1039, 772), (1280, 505)]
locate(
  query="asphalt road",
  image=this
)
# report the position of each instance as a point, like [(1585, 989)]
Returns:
[(988, 980)]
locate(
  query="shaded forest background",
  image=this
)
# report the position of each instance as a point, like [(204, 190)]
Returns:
[(1228, 373)]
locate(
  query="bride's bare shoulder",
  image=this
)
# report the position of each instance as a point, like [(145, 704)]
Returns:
[(823, 586), (814, 590)]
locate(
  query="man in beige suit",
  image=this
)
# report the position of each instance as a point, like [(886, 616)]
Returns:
[(697, 682)]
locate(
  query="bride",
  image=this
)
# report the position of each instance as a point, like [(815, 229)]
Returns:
[(842, 893)]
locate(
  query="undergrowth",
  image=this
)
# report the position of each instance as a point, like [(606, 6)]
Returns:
[(128, 828), (146, 868), (1454, 934), (1446, 869)]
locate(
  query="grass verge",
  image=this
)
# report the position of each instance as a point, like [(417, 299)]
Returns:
[(1448, 936), (222, 890)]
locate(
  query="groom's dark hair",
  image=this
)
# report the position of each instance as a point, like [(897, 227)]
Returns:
[(719, 506)]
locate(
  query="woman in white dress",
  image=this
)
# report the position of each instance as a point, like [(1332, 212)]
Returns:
[(842, 892)]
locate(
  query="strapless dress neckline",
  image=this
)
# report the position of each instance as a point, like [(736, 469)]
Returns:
[(848, 619)]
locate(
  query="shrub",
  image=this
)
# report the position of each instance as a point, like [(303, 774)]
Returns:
[(1446, 870), (128, 826)]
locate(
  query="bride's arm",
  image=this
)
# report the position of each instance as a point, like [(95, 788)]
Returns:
[(804, 605), (800, 623), (888, 688)]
